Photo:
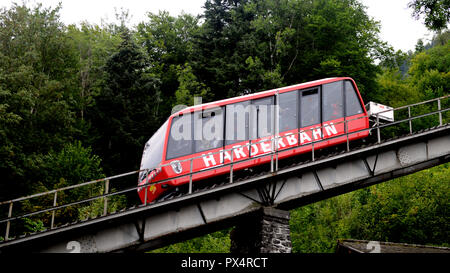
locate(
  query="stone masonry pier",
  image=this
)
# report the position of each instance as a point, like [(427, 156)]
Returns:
[(267, 231)]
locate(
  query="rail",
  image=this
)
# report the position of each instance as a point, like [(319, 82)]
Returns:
[(274, 159)]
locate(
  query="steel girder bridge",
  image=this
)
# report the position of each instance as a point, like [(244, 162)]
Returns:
[(204, 210)]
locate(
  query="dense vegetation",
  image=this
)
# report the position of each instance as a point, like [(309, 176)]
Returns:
[(78, 102), (412, 209)]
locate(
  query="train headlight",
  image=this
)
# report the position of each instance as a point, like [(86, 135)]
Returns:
[(176, 166)]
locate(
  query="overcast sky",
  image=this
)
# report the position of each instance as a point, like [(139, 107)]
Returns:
[(398, 28)]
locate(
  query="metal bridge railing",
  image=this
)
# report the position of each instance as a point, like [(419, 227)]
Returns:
[(274, 154)]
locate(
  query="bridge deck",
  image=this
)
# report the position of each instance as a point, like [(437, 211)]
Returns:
[(154, 225)]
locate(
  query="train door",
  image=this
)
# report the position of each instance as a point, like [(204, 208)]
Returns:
[(237, 132), (288, 122), (310, 117), (208, 140), (333, 112), (262, 127)]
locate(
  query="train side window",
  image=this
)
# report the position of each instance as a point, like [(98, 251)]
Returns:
[(332, 101), (180, 137), (288, 105), (237, 122), (262, 117), (352, 102), (310, 107), (208, 129)]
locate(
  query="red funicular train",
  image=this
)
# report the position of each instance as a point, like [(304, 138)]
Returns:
[(241, 128)]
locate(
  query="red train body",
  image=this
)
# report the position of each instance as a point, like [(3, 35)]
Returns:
[(294, 116)]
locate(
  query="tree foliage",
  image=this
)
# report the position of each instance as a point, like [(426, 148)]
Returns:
[(411, 209), (249, 46), (72, 165), (217, 242), (37, 75), (123, 118), (436, 12)]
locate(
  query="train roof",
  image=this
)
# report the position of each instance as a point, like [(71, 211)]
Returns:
[(258, 95)]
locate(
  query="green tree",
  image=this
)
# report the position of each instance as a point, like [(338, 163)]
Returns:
[(189, 87), (37, 79), (436, 12), (167, 41), (420, 46), (125, 115), (93, 46), (343, 41), (73, 164), (427, 77), (430, 71), (411, 209), (247, 46), (217, 242), (395, 91), (216, 61)]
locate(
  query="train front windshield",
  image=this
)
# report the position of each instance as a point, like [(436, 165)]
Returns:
[(153, 150)]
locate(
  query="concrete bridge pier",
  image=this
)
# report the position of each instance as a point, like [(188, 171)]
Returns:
[(266, 231)]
